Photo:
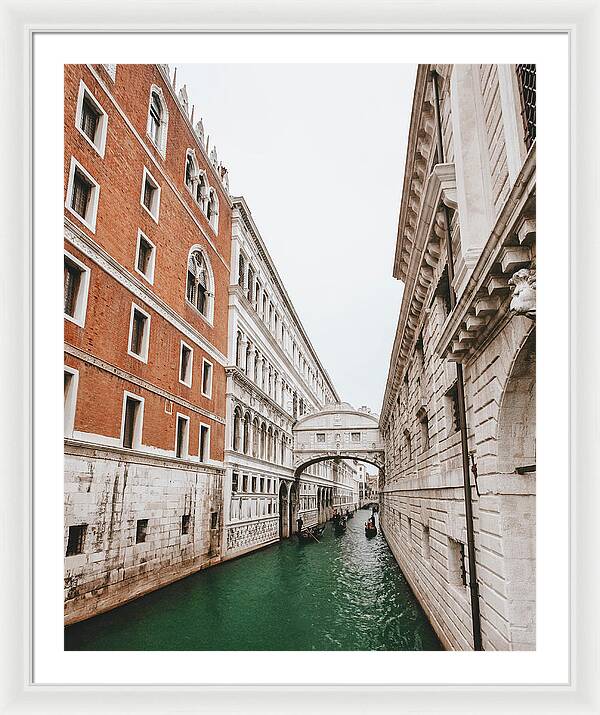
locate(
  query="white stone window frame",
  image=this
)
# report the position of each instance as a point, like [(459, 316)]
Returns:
[(145, 338), (210, 379), (88, 221), (214, 219), (153, 212), (151, 263), (211, 288), (161, 147), (82, 294), (139, 420), (70, 403), (207, 457), (187, 382), (185, 451), (99, 144)]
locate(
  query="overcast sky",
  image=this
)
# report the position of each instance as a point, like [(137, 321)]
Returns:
[(318, 153)]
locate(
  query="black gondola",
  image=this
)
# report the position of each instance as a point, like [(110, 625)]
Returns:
[(350, 515), (340, 525), (370, 528), (311, 534)]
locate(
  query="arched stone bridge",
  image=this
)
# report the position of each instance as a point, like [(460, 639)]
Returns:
[(337, 431)]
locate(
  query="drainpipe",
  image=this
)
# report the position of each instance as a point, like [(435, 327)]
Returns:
[(462, 412)]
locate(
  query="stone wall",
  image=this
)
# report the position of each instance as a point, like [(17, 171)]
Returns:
[(109, 490)]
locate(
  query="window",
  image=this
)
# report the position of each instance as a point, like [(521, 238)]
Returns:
[(158, 119), (76, 282), (204, 448), (457, 573), (241, 271), (70, 396), (355, 436), (320, 437), (145, 257), (424, 425), (182, 436), (527, 91), (90, 119), (201, 190), (212, 209), (76, 540), (262, 484), (234, 481), (82, 195), (150, 197), (245, 483), (132, 422), (139, 333), (452, 413), (199, 283), (190, 171), (141, 530), (185, 524), (425, 543), (408, 445), (214, 519), (253, 485), (442, 293), (186, 359), (206, 378)]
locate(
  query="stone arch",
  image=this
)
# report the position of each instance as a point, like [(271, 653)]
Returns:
[(517, 416)]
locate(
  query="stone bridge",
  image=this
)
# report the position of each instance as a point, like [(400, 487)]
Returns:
[(337, 431)]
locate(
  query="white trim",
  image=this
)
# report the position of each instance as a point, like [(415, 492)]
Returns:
[(90, 220), (161, 147), (145, 337), (82, 294), (111, 71), (70, 401), (209, 393), (154, 211), (139, 421), (185, 447), (183, 344), (207, 459), (100, 143), (151, 263), (210, 293)]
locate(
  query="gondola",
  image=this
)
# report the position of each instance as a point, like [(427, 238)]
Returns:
[(370, 529), (349, 514), (340, 525), (311, 534)]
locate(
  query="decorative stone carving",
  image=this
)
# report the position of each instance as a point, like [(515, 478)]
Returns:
[(183, 98), (523, 299), (200, 130)]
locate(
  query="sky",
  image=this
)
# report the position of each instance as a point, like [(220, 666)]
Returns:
[(317, 151)]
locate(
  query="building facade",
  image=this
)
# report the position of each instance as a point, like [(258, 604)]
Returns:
[(460, 394), (147, 242), (274, 377)]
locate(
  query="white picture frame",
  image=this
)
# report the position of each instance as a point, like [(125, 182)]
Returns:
[(19, 690)]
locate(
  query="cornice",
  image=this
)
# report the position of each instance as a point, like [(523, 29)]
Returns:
[(239, 376)]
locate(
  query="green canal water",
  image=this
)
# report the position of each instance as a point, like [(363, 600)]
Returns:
[(344, 593)]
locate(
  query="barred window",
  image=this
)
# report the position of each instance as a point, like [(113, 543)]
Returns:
[(76, 539), (527, 90), (82, 191), (72, 283), (90, 117), (155, 117)]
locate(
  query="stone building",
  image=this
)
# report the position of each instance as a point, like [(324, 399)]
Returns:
[(147, 241), (458, 416), (274, 377)]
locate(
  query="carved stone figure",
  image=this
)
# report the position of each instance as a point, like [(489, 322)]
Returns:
[(523, 299)]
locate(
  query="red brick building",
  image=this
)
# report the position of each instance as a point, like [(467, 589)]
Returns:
[(147, 233)]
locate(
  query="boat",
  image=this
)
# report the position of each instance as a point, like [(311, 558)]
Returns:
[(350, 514), (311, 533), (340, 525), (370, 528)]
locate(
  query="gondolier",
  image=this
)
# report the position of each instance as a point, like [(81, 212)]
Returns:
[(299, 523)]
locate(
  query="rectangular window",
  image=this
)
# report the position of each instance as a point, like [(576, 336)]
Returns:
[(186, 358), (185, 524), (425, 543), (76, 539), (141, 531), (214, 519), (268, 486), (206, 378), (139, 333), (262, 485), (82, 192), (234, 481), (150, 198), (253, 485), (204, 449), (90, 118), (526, 76), (320, 437), (76, 282), (245, 483), (82, 195), (181, 437), (355, 436), (70, 395), (424, 425), (132, 423), (145, 257), (457, 573)]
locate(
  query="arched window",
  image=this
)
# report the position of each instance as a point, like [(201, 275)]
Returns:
[(190, 171), (263, 440), (201, 190), (199, 283), (241, 271), (238, 350), (237, 423), (212, 209), (255, 438), (246, 439), (157, 119), (247, 362)]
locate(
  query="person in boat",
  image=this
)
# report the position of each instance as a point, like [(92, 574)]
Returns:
[(299, 523)]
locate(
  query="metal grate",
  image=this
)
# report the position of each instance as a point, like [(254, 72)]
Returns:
[(526, 77)]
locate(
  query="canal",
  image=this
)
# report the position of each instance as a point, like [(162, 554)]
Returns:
[(344, 593)]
